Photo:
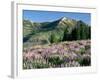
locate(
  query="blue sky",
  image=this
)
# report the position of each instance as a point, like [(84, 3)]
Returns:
[(48, 16)]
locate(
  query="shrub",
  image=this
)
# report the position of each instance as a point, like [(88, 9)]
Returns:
[(85, 61), (82, 51), (55, 60)]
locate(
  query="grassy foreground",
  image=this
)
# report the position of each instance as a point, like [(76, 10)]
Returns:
[(63, 54)]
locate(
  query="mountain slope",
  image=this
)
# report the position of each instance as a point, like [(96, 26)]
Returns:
[(52, 32)]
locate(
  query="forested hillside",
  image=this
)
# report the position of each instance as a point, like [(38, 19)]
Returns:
[(64, 29)]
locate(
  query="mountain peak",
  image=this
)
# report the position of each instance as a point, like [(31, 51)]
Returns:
[(66, 19), (63, 18)]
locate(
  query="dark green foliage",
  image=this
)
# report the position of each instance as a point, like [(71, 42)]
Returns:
[(74, 34), (85, 61), (81, 32), (55, 60), (82, 51), (89, 32), (52, 38), (66, 35), (56, 37)]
